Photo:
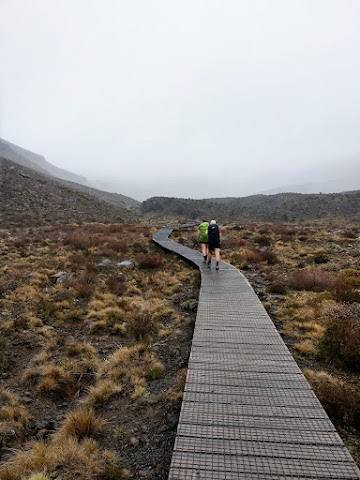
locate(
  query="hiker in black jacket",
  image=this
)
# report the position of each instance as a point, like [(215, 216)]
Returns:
[(214, 238)]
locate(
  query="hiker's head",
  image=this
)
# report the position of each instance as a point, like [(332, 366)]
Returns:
[(213, 222), (204, 220)]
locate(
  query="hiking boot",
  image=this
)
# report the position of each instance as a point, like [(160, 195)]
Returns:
[(205, 258), (208, 264), (217, 266)]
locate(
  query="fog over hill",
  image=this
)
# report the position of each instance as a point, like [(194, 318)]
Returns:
[(337, 175)]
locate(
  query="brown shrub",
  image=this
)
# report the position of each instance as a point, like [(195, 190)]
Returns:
[(341, 402), (262, 240), (84, 285), (21, 242), (344, 292), (232, 243), (349, 234), (140, 247), (80, 241), (320, 259), (143, 325), (115, 228), (116, 284), (341, 341), (284, 230), (278, 287), (314, 279), (147, 262), (256, 256), (112, 243)]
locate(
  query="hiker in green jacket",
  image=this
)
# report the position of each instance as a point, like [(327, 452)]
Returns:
[(203, 238)]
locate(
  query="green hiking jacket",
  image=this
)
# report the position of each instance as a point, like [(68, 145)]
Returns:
[(202, 231)]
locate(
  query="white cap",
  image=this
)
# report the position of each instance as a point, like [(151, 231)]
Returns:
[(212, 222)]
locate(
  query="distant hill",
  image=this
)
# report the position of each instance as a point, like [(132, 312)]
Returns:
[(27, 197), (279, 207)]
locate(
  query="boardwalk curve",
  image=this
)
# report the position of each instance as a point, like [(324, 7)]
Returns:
[(248, 411)]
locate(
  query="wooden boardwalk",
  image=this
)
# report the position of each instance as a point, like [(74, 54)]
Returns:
[(248, 411)]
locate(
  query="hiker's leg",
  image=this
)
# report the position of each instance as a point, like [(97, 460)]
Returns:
[(217, 255)]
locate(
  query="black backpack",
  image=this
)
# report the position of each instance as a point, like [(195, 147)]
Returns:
[(213, 232)]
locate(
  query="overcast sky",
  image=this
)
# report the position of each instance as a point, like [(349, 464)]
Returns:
[(189, 98)]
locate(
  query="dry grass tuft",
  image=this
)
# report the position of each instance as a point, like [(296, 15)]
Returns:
[(80, 423), (57, 369), (306, 347), (14, 417), (101, 392), (131, 366), (68, 459)]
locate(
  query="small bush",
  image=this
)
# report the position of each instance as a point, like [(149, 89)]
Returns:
[(256, 256), (341, 341), (80, 241), (321, 259), (116, 284), (84, 285), (21, 242), (148, 262), (313, 279), (349, 234), (232, 243), (343, 292), (262, 240), (140, 247), (143, 325), (279, 288), (341, 402)]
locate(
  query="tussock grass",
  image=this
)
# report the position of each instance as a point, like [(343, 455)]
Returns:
[(80, 423), (68, 459), (14, 417), (60, 377), (131, 367), (101, 392)]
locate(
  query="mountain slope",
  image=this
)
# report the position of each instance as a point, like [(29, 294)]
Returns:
[(29, 159), (30, 198), (36, 162)]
